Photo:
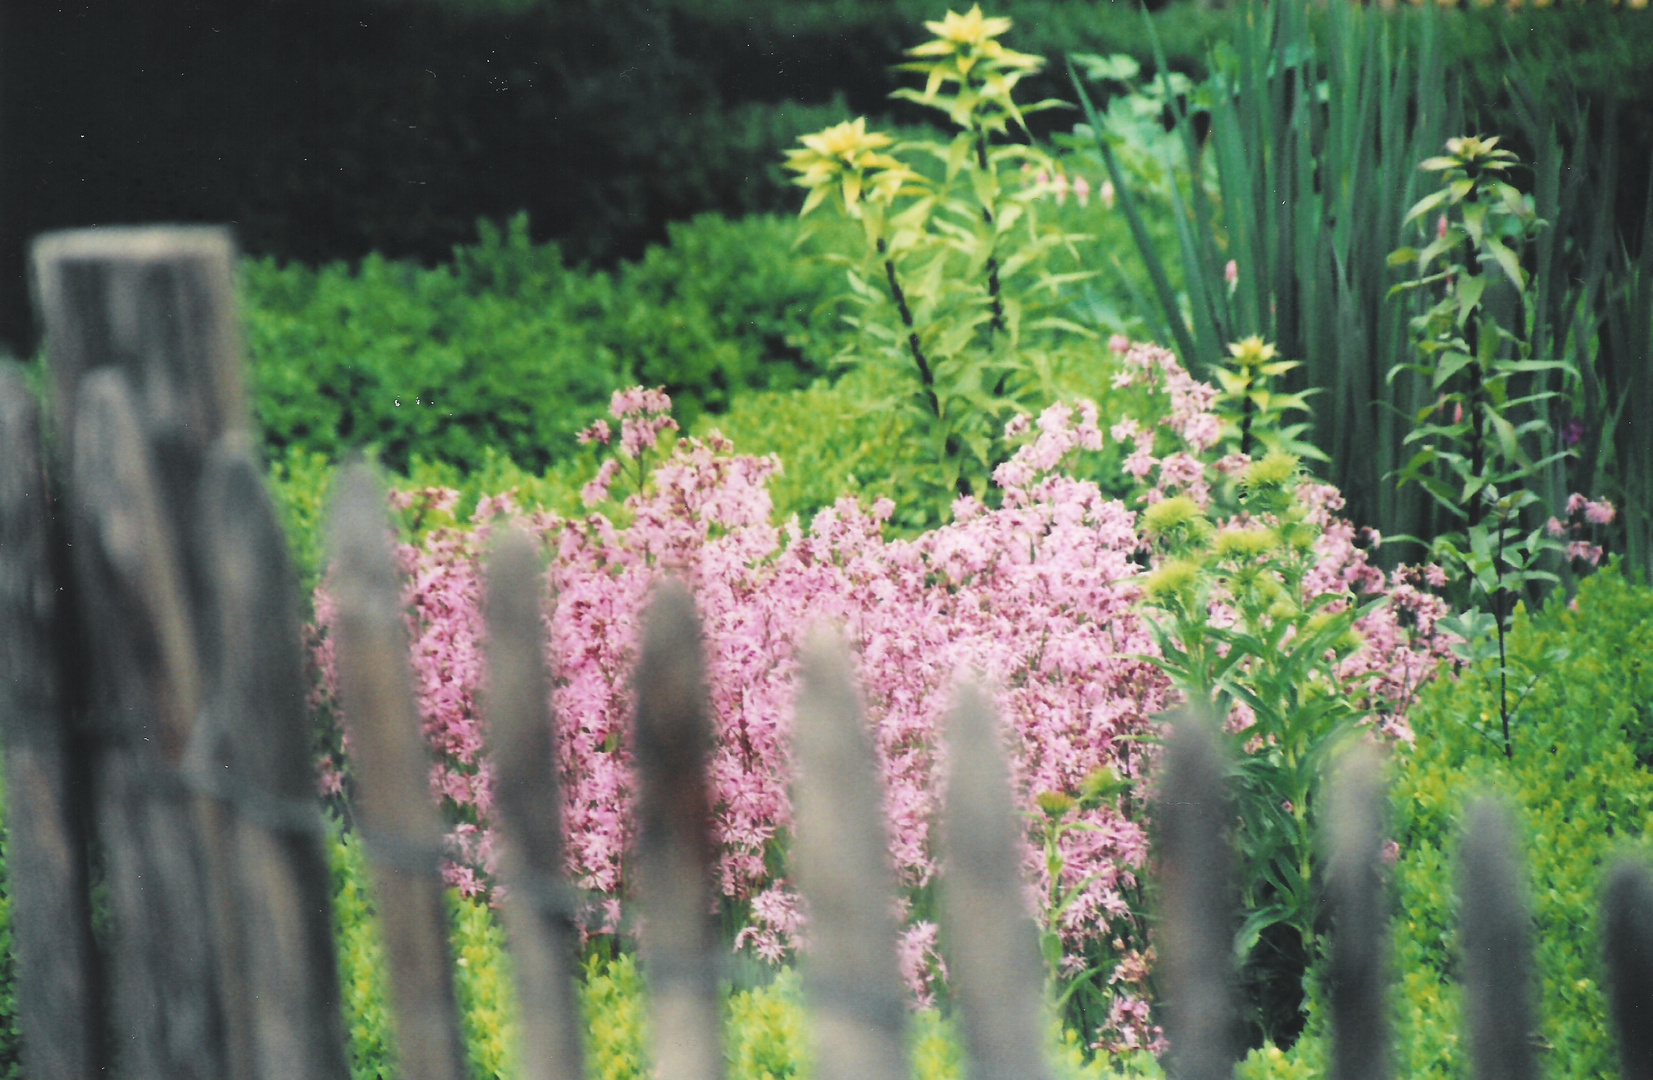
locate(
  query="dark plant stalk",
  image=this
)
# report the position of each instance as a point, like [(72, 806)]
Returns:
[(925, 375), (1499, 599), (1246, 411), (993, 288)]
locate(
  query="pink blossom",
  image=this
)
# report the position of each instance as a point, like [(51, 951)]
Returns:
[(1554, 527), (1599, 513), (1231, 272), (1082, 190), (1575, 503), (1581, 549)]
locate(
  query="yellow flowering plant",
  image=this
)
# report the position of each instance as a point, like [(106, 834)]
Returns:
[(958, 282)]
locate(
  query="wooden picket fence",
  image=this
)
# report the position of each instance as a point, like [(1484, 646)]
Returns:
[(152, 707)]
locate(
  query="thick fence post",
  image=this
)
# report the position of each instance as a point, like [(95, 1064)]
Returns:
[(45, 817), (250, 755), (1196, 947), (145, 369), (1358, 971), (540, 911), (1497, 950), (998, 974), (147, 691), (675, 856), (851, 975), (402, 827)]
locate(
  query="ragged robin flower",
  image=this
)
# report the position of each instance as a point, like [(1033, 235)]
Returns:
[(844, 160)]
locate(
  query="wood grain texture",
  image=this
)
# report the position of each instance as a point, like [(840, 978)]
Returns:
[(675, 856), (539, 910), (1358, 974), (1196, 943), (998, 974), (841, 851), (168, 1022), (1497, 947), (57, 993), (249, 757), (392, 769)]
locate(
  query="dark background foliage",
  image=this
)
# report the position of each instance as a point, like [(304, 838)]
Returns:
[(326, 129)]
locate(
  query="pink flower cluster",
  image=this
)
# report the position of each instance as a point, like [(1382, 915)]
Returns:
[(1037, 598), (1582, 513)]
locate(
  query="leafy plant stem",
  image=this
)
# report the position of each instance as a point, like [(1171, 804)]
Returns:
[(925, 375)]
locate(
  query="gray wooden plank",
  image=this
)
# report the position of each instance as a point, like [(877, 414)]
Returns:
[(250, 755), (675, 855), (993, 956), (539, 909), (841, 854), (1196, 939), (1358, 972), (1627, 912), (45, 817), (392, 768), (1497, 949), (146, 694)]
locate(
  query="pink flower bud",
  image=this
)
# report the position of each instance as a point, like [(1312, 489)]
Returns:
[(1107, 193), (1231, 272), (1457, 412), (1082, 190), (1440, 228)]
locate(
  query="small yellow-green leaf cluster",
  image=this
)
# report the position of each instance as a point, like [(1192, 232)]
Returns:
[(845, 161), (965, 52)]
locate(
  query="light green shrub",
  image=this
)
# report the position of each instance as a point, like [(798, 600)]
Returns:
[(1580, 798)]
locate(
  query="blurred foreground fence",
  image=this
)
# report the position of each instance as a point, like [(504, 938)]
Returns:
[(153, 707)]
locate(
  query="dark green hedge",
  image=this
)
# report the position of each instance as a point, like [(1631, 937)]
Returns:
[(328, 129)]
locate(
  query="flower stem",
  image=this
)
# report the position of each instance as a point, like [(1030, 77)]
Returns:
[(925, 375)]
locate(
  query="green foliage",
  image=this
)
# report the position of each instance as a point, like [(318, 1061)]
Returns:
[(957, 279), (1295, 165), (508, 349), (363, 982), (616, 1024), (1278, 663), (1478, 444), (1582, 795)]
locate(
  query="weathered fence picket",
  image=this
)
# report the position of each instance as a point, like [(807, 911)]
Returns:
[(540, 908), (50, 914), (404, 833), (151, 693), (851, 975)]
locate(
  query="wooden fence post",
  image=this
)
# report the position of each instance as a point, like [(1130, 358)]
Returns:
[(1628, 916), (251, 755), (1196, 946), (400, 821), (1358, 970), (142, 344), (147, 691), (45, 816), (675, 856), (851, 975), (1497, 950), (998, 974), (540, 909)]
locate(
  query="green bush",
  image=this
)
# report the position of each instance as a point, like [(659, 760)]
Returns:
[(507, 348), (1581, 793)]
